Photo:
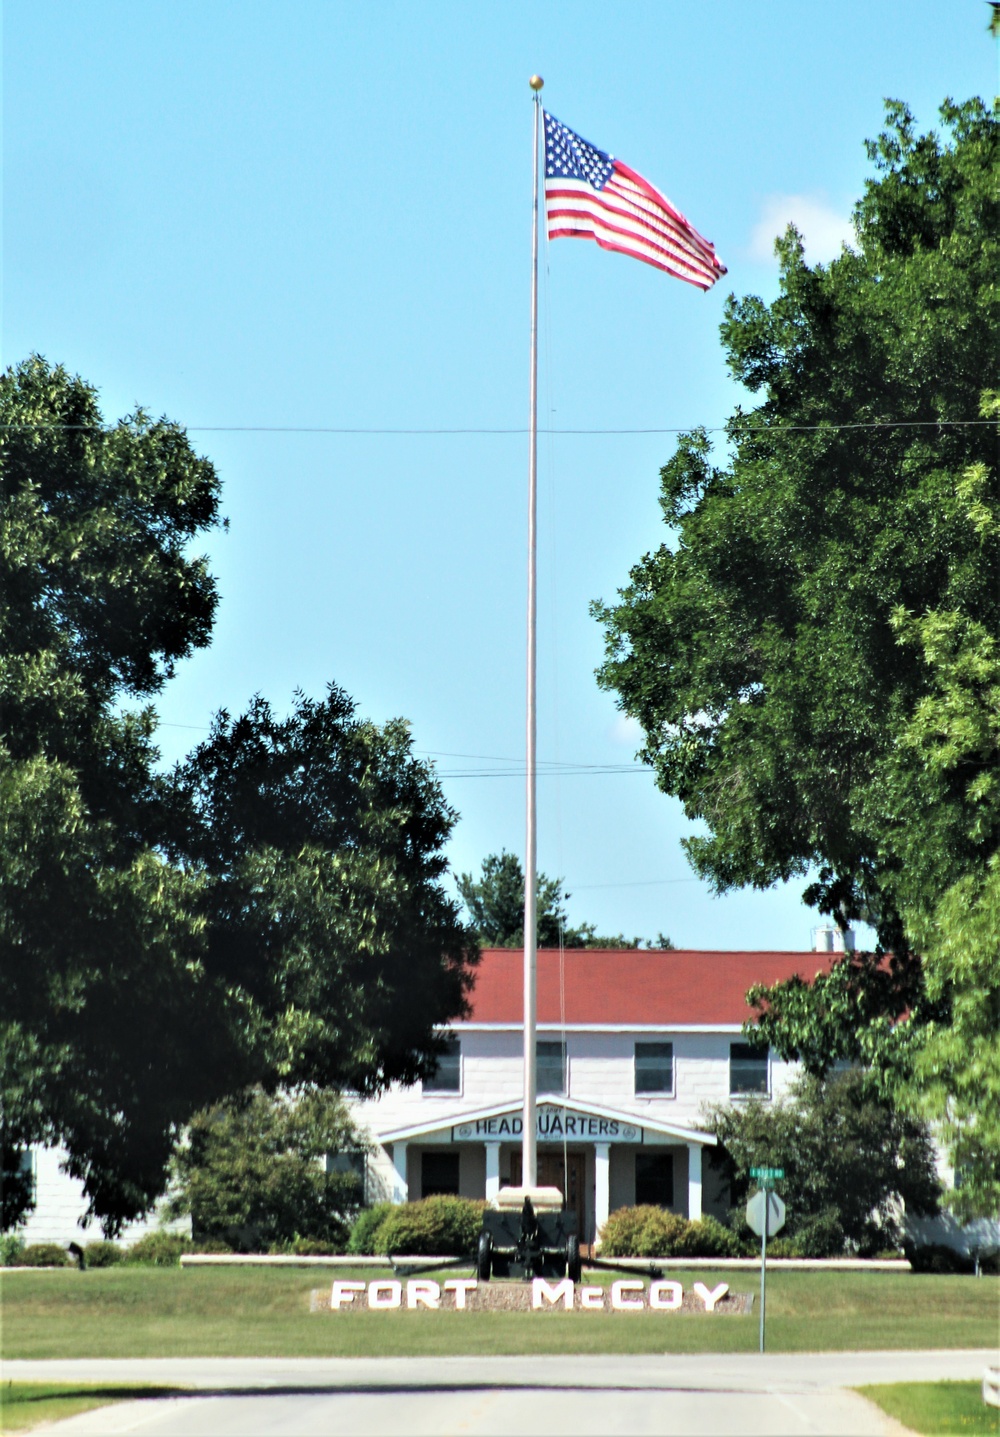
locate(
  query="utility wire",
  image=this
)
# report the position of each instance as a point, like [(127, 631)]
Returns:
[(737, 431)]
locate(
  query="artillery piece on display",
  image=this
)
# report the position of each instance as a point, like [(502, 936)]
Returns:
[(527, 1233)]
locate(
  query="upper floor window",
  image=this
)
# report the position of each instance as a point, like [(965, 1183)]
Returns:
[(747, 1069), (447, 1076), (654, 1067), (551, 1067)]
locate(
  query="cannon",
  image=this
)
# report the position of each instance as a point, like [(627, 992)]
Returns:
[(526, 1233)]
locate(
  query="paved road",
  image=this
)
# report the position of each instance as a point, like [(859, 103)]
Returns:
[(741, 1394)]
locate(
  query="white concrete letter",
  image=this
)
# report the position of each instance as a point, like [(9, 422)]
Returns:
[(420, 1292), (542, 1292), (492, 1170), (393, 1294), (400, 1189), (711, 1298), (460, 1286), (694, 1181), (665, 1296), (344, 1292), (592, 1297), (620, 1302), (602, 1184)]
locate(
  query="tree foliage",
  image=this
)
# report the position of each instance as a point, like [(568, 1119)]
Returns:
[(807, 652), (849, 1161), (271, 912), (252, 1172), (495, 904)]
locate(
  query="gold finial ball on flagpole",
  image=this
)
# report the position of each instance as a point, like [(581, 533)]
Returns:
[(536, 82)]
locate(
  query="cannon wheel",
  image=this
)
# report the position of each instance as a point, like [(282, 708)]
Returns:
[(574, 1266), (484, 1257)]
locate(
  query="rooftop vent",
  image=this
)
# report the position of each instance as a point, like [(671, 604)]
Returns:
[(831, 939)]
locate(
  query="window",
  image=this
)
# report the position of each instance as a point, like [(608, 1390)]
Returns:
[(551, 1061), (654, 1067), (353, 1162), (747, 1069), (439, 1174), (654, 1179), (447, 1077)]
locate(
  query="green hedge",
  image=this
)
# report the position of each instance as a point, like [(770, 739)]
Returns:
[(436, 1226), (42, 1254), (158, 1249), (102, 1254), (364, 1233), (648, 1231)]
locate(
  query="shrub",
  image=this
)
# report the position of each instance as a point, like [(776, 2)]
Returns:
[(364, 1234), (253, 1173), (644, 1231), (307, 1247), (43, 1254), (936, 1257), (438, 1226), (852, 1164), (706, 1237), (11, 1247), (158, 1249), (102, 1254)]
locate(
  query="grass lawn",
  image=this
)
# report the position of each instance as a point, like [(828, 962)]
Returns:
[(936, 1407), (258, 1312), (27, 1404)]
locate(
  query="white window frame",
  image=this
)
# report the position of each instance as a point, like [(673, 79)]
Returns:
[(655, 1093), (448, 1092), (742, 1097)]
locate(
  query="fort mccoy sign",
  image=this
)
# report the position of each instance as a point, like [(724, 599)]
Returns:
[(552, 1125), (628, 1295)]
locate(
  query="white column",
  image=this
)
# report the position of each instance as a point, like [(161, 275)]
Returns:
[(602, 1185), (694, 1181), (492, 1170), (401, 1192)]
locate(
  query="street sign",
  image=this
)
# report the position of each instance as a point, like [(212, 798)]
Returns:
[(767, 1172), (765, 1203)]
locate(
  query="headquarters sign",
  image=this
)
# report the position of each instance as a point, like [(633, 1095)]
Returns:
[(552, 1125)]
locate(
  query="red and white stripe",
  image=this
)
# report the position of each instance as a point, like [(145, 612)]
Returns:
[(630, 216)]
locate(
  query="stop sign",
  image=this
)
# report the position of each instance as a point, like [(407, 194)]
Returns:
[(765, 1206)]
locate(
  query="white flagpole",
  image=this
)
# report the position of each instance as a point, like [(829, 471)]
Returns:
[(529, 1151)]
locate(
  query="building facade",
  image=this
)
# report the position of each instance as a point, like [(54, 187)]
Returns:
[(634, 1048)]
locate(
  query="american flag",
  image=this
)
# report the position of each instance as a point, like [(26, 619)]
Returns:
[(591, 195)]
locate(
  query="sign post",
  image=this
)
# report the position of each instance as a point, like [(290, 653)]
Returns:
[(765, 1214)]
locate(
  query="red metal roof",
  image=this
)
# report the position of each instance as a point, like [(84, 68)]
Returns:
[(645, 986)]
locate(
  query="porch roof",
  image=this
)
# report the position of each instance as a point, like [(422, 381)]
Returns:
[(441, 1122)]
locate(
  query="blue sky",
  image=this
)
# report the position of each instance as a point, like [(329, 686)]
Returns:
[(316, 214)]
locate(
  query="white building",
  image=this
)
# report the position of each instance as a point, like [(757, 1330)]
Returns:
[(633, 1047)]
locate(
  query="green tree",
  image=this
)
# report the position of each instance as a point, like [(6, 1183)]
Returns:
[(495, 904), (124, 1006), (252, 1171), (774, 649), (849, 1159)]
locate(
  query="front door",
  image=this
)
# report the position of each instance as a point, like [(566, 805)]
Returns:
[(551, 1174)]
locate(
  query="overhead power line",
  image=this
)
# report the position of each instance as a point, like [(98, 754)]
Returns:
[(518, 431)]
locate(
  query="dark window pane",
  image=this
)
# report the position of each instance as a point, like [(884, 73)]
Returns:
[(353, 1163), (438, 1173), (747, 1068), (654, 1067), (551, 1060), (448, 1076), (654, 1178)]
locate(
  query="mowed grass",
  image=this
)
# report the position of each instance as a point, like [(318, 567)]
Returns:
[(28, 1404), (255, 1312), (935, 1408)]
